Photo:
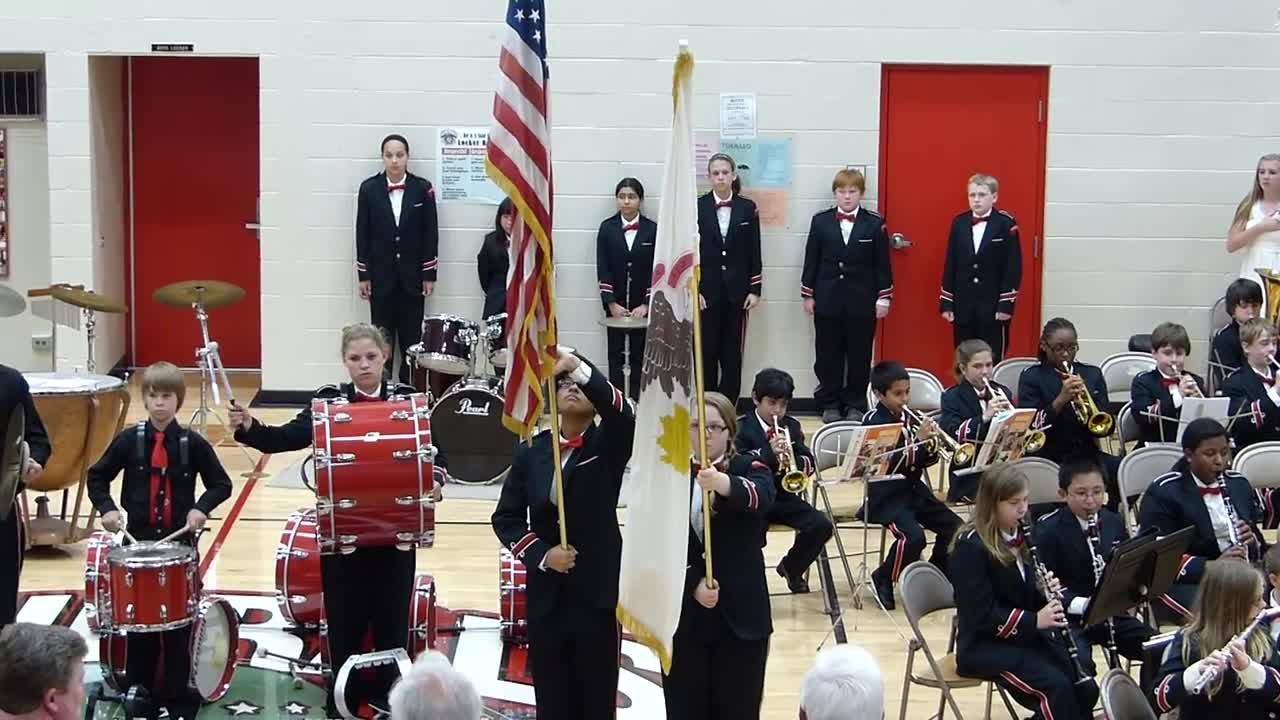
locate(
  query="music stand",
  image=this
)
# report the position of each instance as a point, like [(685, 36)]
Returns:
[(1141, 568)]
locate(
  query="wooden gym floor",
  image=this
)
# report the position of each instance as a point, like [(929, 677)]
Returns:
[(240, 550)]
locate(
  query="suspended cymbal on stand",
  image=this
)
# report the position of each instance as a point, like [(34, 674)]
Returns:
[(86, 299), (11, 302), (212, 294)]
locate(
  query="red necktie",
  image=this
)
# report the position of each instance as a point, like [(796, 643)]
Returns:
[(842, 216), (161, 502), (974, 220), (1215, 490), (724, 204), (571, 444), (395, 187), (633, 227)]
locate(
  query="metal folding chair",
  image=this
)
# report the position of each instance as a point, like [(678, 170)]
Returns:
[(1007, 372)]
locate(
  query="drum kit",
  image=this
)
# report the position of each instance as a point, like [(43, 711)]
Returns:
[(474, 439), (153, 587)]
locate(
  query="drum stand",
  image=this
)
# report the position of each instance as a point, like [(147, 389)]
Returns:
[(90, 322), (213, 376)]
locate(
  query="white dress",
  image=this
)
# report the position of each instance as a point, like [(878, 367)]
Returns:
[(1263, 252)]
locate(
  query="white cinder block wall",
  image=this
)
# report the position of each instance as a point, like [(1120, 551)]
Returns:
[(1157, 112)]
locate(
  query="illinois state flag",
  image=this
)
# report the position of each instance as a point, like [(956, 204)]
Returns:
[(656, 537)]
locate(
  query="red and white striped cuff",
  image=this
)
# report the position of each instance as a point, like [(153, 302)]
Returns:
[(963, 430), (757, 279), (1009, 296), (753, 497), (944, 295), (361, 267), (606, 287), (431, 264), (518, 547), (1259, 417), (617, 398), (1186, 561), (806, 291), (886, 294), (1010, 626), (1162, 694)]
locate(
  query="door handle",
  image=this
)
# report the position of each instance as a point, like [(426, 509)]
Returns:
[(899, 242)]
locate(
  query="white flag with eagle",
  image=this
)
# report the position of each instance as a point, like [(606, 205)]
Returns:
[(656, 537)]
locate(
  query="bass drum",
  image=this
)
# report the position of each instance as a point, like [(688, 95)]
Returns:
[(467, 427)]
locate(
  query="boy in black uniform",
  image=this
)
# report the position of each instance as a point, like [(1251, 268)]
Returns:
[(1075, 549), (846, 285), (1195, 494), (351, 610), (771, 394), (1252, 388), (1243, 303), (160, 460), (624, 266), (396, 244), (573, 591), (904, 506), (732, 281), (1158, 393), (983, 269), (14, 394)]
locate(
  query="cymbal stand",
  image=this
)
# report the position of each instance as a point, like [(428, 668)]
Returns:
[(90, 322), (213, 376)]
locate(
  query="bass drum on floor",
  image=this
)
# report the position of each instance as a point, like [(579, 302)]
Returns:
[(467, 427)]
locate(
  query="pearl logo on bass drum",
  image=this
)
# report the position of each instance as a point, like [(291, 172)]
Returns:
[(467, 407)]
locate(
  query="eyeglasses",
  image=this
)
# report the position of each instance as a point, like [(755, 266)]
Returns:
[(1087, 494), (564, 383), (1065, 347), (711, 428)]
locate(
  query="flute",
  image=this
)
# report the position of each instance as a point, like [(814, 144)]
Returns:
[(1211, 674)]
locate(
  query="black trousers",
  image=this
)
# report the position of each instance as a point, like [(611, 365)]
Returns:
[(1040, 679), (1130, 634), (994, 332), (399, 315), (715, 675), (11, 542), (723, 329), (812, 527), (161, 663), (367, 591), (906, 522), (617, 358), (842, 347), (574, 654)]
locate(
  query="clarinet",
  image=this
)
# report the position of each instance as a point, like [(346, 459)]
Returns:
[(1232, 519), (1099, 565), (1083, 679)]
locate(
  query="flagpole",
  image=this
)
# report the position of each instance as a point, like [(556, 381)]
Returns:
[(555, 459), (699, 397)]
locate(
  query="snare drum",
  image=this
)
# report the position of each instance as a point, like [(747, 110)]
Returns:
[(154, 586), (446, 344), (298, 586), (513, 598), (215, 644), (468, 428), (495, 329), (82, 414), (97, 582), (373, 465), (422, 616)]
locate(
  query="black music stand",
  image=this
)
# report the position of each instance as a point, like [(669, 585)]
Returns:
[(1141, 568)]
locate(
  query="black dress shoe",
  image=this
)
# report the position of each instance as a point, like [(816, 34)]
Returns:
[(796, 584), (884, 590), (854, 413), (831, 415)]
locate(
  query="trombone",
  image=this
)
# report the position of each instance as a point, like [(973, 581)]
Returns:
[(1034, 440), (960, 454), (793, 479), (1096, 421)]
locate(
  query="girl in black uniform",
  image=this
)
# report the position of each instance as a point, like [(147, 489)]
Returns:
[(1209, 672), (624, 266), (1003, 617), (968, 406), (494, 259), (369, 588), (1052, 386), (721, 645)]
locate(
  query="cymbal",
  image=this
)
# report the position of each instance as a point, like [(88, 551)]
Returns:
[(625, 323), (211, 293), (11, 302), (86, 299)]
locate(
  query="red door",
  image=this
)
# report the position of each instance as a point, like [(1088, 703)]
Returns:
[(938, 126), (195, 184)]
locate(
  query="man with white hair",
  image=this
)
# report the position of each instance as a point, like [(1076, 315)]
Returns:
[(433, 690), (41, 672), (843, 684)]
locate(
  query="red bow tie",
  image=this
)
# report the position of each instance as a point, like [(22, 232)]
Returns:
[(395, 187), (1016, 542), (1215, 490), (633, 227), (724, 204), (1170, 382), (974, 219), (842, 216), (571, 444)]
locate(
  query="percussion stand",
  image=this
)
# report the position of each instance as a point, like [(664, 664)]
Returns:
[(626, 349), (211, 372), (90, 322)]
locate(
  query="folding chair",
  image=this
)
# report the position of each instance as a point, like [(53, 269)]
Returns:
[(1127, 427), (1042, 484), (1007, 372), (1138, 470), (1260, 463), (830, 448), (925, 590), (1122, 699), (1119, 370), (926, 399)]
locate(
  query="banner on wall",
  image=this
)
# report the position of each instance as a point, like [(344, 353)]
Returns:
[(460, 173), (766, 169)]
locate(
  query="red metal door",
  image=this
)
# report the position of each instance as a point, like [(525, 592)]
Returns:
[(939, 125)]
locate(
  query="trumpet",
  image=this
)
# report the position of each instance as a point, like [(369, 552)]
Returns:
[(1181, 374), (1096, 421), (960, 454), (793, 479), (1034, 440)]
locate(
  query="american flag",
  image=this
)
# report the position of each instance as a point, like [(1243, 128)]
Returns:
[(519, 161)]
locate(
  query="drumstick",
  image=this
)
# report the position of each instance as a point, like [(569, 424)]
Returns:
[(128, 537), (176, 533)]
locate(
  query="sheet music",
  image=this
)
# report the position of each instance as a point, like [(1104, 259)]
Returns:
[(1006, 437), (1218, 408), (870, 451)]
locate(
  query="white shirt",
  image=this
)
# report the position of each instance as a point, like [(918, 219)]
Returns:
[(375, 395), (978, 230), (1175, 391), (397, 196), (846, 226), (1008, 537), (1080, 604), (1263, 252), (722, 214), (630, 235), (1217, 508), (695, 506)]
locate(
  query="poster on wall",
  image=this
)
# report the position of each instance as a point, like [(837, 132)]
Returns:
[(460, 175), (738, 115), (4, 207), (766, 169)]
